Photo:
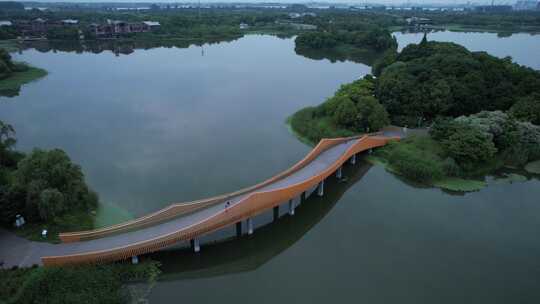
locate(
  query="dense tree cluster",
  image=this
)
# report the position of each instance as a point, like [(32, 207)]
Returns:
[(7, 66), (351, 110), (372, 37), (11, 5), (354, 107), (63, 33), (42, 186), (480, 137), (527, 108), (433, 79)]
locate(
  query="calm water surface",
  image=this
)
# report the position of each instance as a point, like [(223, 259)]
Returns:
[(166, 125), (522, 47)]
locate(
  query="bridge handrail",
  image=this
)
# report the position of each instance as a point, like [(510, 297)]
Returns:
[(252, 204), (177, 209)]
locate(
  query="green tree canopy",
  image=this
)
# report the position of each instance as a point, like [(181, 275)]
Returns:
[(439, 78), (53, 185)]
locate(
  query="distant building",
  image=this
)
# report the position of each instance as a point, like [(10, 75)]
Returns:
[(152, 25), (299, 15), (118, 27), (525, 5), (70, 22), (243, 26), (301, 26), (39, 25), (493, 8), (5, 23), (417, 20), (294, 15)]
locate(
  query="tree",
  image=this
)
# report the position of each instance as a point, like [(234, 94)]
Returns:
[(469, 145), (8, 158), (51, 204), (527, 109), (346, 114), (433, 79), (53, 185)]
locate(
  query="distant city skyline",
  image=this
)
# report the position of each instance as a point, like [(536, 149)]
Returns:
[(358, 2)]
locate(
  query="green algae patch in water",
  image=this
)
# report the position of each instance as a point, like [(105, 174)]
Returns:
[(510, 178), (533, 167), (460, 184), (110, 214)]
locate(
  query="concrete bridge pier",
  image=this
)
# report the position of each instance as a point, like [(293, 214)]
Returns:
[(195, 245), (339, 172), (303, 197), (320, 188), (291, 207), (370, 150), (134, 260), (239, 229), (276, 213), (249, 223), (353, 159)]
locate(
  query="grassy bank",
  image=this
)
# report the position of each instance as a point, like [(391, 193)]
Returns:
[(83, 284), (9, 45), (75, 221), (106, 215), (494, 28), (15, 81), (310, 128), (421, 159)]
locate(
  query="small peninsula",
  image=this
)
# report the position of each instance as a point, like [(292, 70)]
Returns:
[(478, 114), (13, 75)]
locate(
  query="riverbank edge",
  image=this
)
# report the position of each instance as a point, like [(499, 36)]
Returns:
[(18, 79), (453, 184), (106, 214), (471, 29), (25, 285)]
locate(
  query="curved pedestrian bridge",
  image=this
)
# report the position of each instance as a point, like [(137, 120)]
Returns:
[(189, 221)]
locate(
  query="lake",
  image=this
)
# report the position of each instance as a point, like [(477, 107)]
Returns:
[(176, 124)]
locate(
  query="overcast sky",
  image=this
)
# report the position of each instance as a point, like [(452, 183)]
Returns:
[(387, 2)]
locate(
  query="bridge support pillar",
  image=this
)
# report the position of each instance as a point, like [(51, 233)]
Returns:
[(339, 173), (195, 245), (353, 159), (291, 207), (276, 212), (239, 229), (303, 197), (134, 260), (370, 151), (249, 223), (320, 188)]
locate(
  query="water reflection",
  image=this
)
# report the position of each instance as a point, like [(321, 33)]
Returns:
[(118, 47), (365, 56), (250, 252)]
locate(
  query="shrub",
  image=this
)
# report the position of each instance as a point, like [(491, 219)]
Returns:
[(527, 109), (346, 114), (409, 160), (469, 145), (53, 185)]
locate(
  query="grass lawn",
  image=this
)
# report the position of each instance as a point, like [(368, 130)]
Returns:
[(72, 222)]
